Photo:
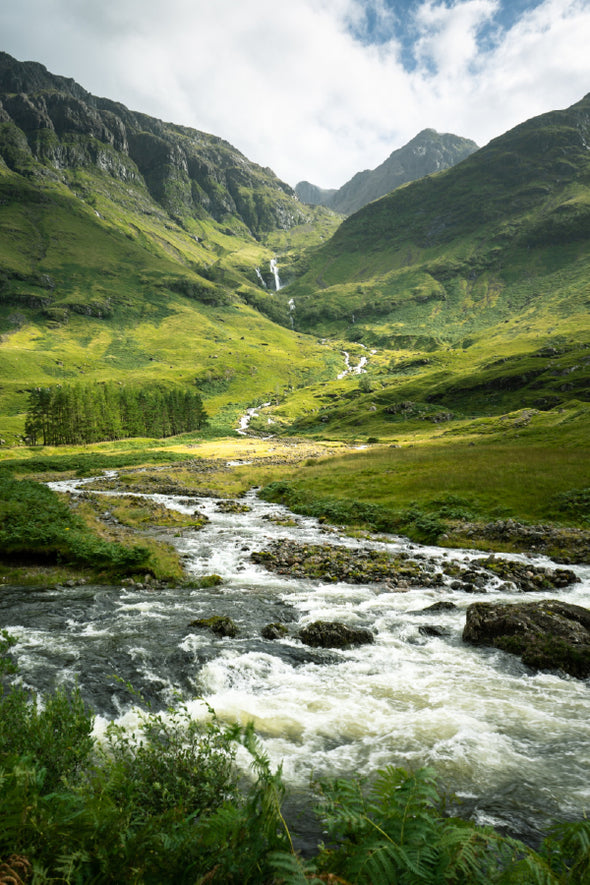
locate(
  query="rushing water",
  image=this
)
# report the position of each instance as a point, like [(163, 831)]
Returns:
[(515, 745)]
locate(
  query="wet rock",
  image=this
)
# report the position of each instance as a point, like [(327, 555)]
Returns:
[(206, 581), (332, 634), (432, 630), (220, 625), (273, 631), (331, 562), (547, 635), (527, 577), (232, 507), (443, 606)]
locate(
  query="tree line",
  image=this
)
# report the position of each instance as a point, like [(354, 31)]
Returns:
[(86, 413)]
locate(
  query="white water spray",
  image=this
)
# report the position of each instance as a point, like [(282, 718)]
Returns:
[(275, 272), (353, 370)]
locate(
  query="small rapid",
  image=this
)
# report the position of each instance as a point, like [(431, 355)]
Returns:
[(514, 745)]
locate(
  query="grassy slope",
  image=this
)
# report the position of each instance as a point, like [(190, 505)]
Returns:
[(470, 287), (93, 289)]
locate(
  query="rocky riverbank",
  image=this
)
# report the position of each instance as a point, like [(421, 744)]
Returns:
[(401, 571), (566, 545)]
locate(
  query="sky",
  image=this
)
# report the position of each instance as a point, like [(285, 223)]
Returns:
[(316, 89)]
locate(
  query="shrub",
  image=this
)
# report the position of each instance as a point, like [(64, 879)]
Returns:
[(35, 522)]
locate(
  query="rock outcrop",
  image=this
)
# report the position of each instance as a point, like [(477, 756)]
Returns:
[(220, 625), (330, 562), (547, 635)]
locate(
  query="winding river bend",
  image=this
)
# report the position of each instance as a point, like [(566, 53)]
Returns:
[(514, 745)]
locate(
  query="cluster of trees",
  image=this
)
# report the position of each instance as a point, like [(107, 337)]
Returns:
[(86, 413)]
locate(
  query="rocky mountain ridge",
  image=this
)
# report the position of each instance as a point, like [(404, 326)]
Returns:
[(426, 153), (53, 121)]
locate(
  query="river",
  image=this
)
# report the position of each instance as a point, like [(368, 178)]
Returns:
[(514, 745)]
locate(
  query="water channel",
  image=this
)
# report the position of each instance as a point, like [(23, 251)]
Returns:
[(514, 745)]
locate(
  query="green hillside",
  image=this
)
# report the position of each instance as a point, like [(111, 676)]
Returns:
[(135, 250), (138, 253), (473, 285)]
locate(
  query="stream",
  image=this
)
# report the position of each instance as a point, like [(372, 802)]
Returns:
[(512, 744)]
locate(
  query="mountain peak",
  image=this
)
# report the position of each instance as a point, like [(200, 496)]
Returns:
[(428, 152)]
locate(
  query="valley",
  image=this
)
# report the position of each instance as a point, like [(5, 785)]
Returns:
[(409, 379)]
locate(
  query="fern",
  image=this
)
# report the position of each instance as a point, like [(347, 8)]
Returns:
[(567, 850)]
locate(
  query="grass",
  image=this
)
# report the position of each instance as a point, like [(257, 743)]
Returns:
[(129, 294), (43, 533)]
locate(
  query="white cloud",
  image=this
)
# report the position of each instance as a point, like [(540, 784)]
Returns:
[(448, 41), (292, 88)]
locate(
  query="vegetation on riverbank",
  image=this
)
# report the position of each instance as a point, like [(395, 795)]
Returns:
[(499, 485), (43, 539), (169, 804)]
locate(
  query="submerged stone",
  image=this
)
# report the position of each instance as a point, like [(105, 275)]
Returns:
[(273, 631)]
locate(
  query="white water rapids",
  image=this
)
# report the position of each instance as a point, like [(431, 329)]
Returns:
[(515, 745)]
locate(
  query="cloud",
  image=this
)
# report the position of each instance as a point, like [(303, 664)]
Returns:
[(316, 89)]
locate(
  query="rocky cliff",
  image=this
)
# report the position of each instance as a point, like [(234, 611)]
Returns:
[(52, 121)]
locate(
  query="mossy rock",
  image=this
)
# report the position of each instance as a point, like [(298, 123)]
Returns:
[(233, 507), (220, 625), (332, 634), (274, 631), (547, 635), (208, 581)]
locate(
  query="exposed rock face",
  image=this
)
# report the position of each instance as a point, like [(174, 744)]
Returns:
[(314, 195), (428, 152), (547, 635), (332, 634), (54, 121)]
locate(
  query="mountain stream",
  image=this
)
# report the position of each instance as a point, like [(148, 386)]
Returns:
[(514, 745)]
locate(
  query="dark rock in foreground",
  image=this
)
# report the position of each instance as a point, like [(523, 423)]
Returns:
[(332, 634), (547, 635)]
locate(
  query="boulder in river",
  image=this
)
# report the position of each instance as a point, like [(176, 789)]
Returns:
[(333, 634), (221, 625), (547, 635), (274, 631)]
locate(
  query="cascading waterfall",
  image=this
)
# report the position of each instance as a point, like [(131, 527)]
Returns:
[(291, 309), (514, 745), (275, 272), (260, 277), (353, 370)]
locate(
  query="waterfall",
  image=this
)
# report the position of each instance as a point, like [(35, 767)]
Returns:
[(291, 309), (275, 272), (260, 277)]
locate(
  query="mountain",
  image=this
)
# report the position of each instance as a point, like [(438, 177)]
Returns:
[(189, 173), (480, 271), (428, 152), (133, 249), (314, 195)]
